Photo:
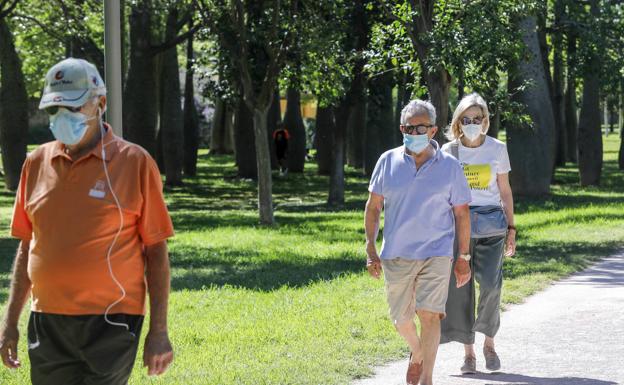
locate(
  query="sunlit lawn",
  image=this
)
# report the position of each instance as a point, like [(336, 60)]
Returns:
[(292, 304)]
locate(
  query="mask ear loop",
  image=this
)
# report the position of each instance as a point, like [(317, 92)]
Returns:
[(121, 223)]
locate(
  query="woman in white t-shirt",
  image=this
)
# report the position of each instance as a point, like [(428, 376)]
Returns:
[(486, 167)]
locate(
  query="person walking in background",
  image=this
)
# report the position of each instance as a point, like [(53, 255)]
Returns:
[(281, 138), (93, 224), (425, 197), (486, 166)]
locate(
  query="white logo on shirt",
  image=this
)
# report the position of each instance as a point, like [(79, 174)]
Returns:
[(99, 190)]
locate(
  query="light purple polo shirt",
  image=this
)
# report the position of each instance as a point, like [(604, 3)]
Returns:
[(418, 204)]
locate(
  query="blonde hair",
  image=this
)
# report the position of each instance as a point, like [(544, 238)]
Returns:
[(454, 131)]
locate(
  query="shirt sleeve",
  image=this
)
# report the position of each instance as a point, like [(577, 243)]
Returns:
[(503, 161), (21, 227), (460, 191), (376, 181), (155, 223)]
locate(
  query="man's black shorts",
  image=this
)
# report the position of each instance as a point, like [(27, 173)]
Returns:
[(82, 349)]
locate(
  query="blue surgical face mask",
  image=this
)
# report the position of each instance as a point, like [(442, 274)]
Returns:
[(416, 143), (69, 127)]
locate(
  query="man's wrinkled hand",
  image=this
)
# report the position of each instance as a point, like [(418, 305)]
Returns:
[(158, 353), (462, 272), (9, 335), (373, 265)]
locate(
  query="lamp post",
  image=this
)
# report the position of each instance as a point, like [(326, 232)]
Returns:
[(112, 64)]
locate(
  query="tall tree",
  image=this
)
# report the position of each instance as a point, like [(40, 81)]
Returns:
[(531, 145), (171, 115), (255, 37), (569, 104), (558, 84), (325, 126), (293, 120), (13, 103), (589, 131), (191, 118)]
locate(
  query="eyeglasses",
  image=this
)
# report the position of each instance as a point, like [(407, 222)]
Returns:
[(476, 120), (54, 109), (420, 129)]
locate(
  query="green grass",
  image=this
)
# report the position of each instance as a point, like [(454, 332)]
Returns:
[(292, 304)]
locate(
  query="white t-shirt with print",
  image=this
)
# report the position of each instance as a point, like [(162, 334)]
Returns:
[(481, 165)]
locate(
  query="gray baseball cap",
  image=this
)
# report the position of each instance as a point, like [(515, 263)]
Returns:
[(71, 83)]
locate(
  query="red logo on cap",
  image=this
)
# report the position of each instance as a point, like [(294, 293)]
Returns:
[(59, 75), (94, 80), (57, 99)]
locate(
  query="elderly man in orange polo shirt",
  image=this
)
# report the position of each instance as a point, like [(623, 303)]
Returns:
[(93, 227)]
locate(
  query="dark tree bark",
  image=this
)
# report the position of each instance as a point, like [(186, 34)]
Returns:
[(191, 118), (217, 134), (589, 131), (531, 147), (403, 97), (379, 128), (558, 83), (621, 126), (495, 119), (244, 140), (140, 106), (273, 118), (13, 108), (325, 126), (570, 101), (337, 176), (356, 126), (294, 124), (171, 116), (438, 79)]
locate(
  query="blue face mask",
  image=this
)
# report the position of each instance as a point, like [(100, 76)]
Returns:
[(416, 143), (69, 127)]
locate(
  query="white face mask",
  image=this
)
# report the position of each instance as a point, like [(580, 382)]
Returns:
[(472, 131)]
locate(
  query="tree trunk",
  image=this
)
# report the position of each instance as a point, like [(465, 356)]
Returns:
[(570, 101), (263, 162), (171, 116), (438, 79), (589, 130), (558, 81), (244, 140), (336, 196), (356, 125), (494, 123), (294, 124), (140, 106), (325, 126), (531, 147), (379, 128), (403, 97), (273, 118), (217, 134), (13, 109), (621, 124), (191, 118)]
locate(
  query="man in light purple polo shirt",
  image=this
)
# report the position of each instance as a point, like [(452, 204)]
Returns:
[(425, 197)]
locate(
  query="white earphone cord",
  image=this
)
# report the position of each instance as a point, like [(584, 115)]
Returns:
[(110, 249)]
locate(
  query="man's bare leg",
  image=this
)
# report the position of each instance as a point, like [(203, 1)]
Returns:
[(407, 330), (430, 339)]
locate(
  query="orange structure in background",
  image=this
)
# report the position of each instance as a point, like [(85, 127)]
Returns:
[(308, 108)]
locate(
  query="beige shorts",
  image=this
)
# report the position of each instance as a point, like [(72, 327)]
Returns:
[(416, 285)]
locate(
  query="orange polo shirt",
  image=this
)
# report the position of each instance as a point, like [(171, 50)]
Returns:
[(66, 210)]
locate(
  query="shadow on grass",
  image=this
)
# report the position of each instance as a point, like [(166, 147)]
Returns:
[(552, 257), (8, 247), (263, 276)]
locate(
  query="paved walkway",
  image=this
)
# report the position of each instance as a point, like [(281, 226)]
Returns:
[(570, 334)]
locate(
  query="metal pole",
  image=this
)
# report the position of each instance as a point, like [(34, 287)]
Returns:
[(112, 59)]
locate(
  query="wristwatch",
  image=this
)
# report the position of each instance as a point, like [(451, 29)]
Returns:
[(465, 257)]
